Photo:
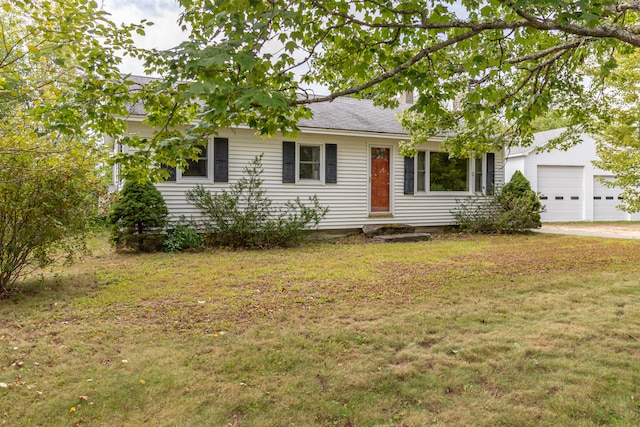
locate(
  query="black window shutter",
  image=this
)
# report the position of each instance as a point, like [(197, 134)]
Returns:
[(221, 160), (331, 163), (172, 172), (409, 172), (491, 172), (288, 162)]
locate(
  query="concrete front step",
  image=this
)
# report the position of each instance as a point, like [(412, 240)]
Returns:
[(406, 237), (380, 229)]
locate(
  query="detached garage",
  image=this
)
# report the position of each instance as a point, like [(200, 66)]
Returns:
[(570, 187)]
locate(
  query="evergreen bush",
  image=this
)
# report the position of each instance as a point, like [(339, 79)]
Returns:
[(521, 207), (138, 217)]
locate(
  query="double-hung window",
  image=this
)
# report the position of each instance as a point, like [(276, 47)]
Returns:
[(422, 171), (198, 168), (309, 162), (213, 157), (478, 182)]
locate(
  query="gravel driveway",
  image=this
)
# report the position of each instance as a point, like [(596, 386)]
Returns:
[(617, 230)]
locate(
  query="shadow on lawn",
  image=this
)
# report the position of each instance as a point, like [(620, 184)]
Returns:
[(52, 287)]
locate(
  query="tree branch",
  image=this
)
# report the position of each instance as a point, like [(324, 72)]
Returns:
[(387, 75), (626, 35)]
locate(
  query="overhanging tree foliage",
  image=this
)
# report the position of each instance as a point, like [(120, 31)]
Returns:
[(483, 71), (59, 62)]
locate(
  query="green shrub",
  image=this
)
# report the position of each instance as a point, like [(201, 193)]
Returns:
[(182, 237), (244, 216), (478, 214), (48, 192), (521, 207), (138, 217), (511, 209)]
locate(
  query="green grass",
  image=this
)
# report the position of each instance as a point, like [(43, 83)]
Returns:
[(498, 330)]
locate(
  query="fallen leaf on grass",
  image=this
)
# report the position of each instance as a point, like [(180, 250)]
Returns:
[(72, 410), (143, 382)]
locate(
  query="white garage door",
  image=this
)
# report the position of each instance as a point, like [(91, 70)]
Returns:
[(605, 200), (562, 194)]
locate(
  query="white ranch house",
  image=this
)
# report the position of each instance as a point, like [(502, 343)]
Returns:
[(348, 155), (570, 185)]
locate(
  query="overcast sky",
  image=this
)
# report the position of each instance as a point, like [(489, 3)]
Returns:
[(164, 34)]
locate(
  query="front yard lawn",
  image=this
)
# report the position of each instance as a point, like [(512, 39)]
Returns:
[(491, 330)]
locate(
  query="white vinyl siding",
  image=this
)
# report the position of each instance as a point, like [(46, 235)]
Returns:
[(348, 199)]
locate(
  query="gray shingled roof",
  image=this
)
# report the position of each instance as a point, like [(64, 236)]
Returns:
[(138, 109), (347, 114), (352, 114)]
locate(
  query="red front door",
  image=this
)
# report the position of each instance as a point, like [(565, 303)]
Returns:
[(380, 174)]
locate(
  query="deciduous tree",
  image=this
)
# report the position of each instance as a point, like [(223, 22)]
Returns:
[(59, 89), (618, 144), (483, 71), (48, 191)]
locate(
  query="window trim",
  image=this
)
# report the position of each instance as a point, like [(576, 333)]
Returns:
[(208, 151)]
